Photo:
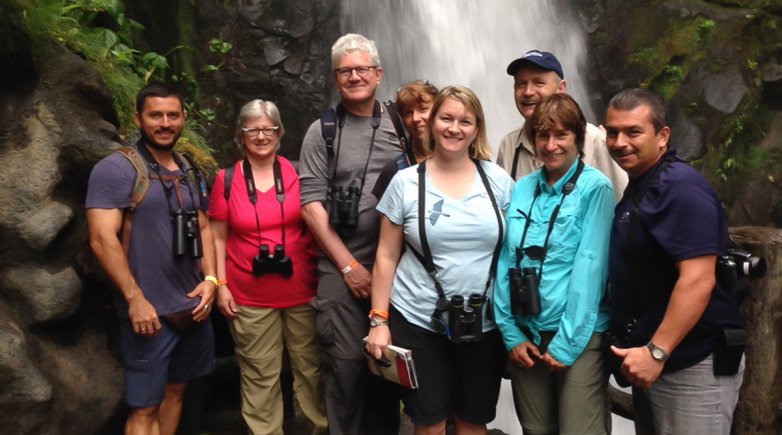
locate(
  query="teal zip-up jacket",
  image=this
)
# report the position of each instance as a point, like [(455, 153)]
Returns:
[(575, 271)]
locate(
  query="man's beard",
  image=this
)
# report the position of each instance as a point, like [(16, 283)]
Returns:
[(152, 144)]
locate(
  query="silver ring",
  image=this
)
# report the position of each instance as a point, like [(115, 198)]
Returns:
[(206, 307)]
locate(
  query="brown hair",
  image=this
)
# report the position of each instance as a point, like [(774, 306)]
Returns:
[(559, 109), (410, 95)]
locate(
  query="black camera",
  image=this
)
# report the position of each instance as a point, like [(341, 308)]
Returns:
[(343, 207), (465, 322), (524, 295), (187, 233), (736, 264), (265, 262)]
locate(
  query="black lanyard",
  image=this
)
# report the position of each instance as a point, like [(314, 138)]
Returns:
[(249, 182), (516, 154), (375, 124), (442, 303), (566, 189)]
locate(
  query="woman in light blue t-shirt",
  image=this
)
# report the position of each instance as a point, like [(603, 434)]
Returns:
[(457, 349)]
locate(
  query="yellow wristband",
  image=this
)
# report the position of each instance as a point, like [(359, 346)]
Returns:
[(212, 279)]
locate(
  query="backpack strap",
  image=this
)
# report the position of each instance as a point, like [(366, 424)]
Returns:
[(401, 162), (228, 176), (401, 132), (142, 175), (137, 194), (328, 129)]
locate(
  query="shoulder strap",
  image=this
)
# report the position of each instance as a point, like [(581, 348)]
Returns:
[(401, 132), (142, 176), (137, 194), (426, 259), (193, 173), (328, 129), (401, 162), (500, 235), (516, 155), (228, 176)]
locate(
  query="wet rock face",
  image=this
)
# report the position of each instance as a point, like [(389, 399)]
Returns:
[(722, 87), (56, 121), (52, 130), (280, 52)]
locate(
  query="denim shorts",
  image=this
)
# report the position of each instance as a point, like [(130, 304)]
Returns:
[(169, 357)]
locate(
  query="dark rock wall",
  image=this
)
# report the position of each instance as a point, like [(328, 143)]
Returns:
[(717, 64), (56, 120), (280, 52)]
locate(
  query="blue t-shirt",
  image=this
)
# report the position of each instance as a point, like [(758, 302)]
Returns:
[(164, 279), (680, 218), (575, 270), (462, 234)]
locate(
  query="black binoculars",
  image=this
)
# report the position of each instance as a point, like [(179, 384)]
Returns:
[(343, 207), (465, 322), (524, 295), (187, 233), (277, 263)]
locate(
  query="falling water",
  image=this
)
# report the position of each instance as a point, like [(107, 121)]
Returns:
[(470, 42)]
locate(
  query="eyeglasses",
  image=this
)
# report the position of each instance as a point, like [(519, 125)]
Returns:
[(254, 132), (362, 71)]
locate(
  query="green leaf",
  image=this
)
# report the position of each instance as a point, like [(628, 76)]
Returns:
[(107, 37)]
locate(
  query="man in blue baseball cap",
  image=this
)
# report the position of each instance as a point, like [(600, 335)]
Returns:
[(536, 75)]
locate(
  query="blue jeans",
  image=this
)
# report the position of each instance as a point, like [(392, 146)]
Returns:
[(692, 400)]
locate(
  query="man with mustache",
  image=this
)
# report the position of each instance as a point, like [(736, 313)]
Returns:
[(536, 75), (676, 327), (163, 302)]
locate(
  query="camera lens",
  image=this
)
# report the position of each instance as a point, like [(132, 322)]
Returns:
[(754, 267)]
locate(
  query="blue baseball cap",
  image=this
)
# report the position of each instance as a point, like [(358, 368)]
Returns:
[(541, 59)]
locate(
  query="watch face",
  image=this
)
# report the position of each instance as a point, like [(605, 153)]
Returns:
[(658, 354)]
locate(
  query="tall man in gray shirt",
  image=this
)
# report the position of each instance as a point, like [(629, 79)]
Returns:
[(365, 140)]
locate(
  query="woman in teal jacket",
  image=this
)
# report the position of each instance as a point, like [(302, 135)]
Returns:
[(552, 276)]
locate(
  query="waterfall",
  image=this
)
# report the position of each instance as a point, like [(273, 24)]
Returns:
[(470, 42)]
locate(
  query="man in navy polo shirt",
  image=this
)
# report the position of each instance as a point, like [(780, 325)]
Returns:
[(667, 309)]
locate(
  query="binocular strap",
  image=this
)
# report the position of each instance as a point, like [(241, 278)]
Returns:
[(426, 259)]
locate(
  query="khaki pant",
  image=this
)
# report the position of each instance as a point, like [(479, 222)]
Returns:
[(567, 402), (259, 334)]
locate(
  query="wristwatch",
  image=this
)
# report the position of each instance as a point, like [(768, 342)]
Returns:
[(377, 321), (658, 353)]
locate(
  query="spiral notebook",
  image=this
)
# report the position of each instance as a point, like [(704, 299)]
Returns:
[(397, 367)]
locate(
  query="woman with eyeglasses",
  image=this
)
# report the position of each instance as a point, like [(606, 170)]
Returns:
[(266, 265), (551, 279), (413, 103), (434, 297)]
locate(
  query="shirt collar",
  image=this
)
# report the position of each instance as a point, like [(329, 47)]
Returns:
[(557, 187)]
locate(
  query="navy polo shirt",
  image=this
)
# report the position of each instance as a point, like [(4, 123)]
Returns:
[(678, 218)]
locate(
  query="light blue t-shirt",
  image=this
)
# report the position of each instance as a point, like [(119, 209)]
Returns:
[(462, 234)]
